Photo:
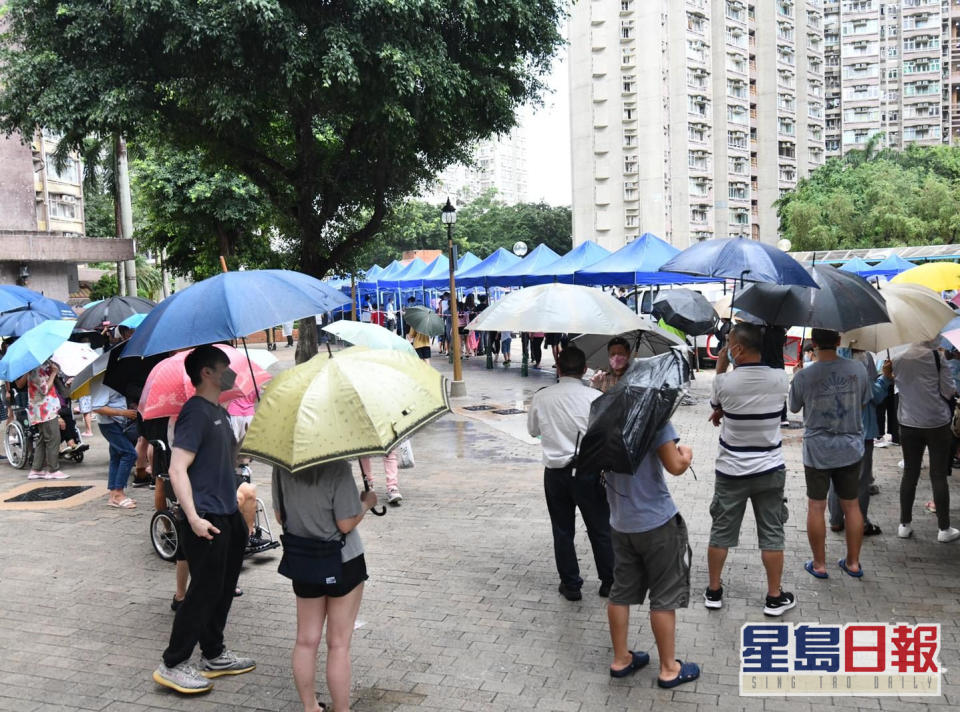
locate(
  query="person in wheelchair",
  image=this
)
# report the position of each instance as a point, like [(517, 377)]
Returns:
[(68, 425)]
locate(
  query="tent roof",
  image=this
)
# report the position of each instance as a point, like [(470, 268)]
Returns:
[(467, 261), (410, 271), (582, 256), (436, 271), (636, 262), (540, 256), (856, 265), (479, 275), (892, 265)]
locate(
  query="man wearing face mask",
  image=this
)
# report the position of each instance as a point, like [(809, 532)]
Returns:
[(618, 353), (213, 541)]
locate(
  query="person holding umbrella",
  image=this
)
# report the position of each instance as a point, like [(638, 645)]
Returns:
[(44, 413), (618, 352)]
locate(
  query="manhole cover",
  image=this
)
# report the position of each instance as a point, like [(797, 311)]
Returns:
[(478, 407), (49, 494), (509, 411)]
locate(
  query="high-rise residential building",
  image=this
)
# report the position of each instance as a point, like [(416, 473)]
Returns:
[(689, 118), (499, 164)]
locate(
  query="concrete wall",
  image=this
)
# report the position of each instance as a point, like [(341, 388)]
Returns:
[(17, 196), (54, 280)]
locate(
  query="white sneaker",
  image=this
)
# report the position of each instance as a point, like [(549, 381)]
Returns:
[(948, 534), (881, 443), (394, 496), (58, 475), (904, 531)]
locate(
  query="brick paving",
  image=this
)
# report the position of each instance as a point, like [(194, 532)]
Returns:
[(461, 611)]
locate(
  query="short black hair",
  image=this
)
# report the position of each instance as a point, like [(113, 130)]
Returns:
[(571, 362), (749, 336), (205, 356), (618, 341), (825, 338)]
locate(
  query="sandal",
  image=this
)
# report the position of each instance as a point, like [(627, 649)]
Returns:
[(808, 567), (688, 673), (125, 503), (856, 574), (638, 661), (930, 507)]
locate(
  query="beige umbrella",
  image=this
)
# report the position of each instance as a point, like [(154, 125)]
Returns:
[(722, 305), (916, 313)]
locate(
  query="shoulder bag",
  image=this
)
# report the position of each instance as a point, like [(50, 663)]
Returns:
[(308, 560)]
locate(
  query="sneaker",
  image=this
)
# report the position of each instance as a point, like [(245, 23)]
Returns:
[(778, 605), (184, 678), (784, 423), (881, 443), (904, 531), (226, 663), (571, 594), (394, 497), (948, 534), (257, 543), (874, 489), (58, 475), (713, 599), (37, 475)]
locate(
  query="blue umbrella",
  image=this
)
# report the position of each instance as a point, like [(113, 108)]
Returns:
[(33, 348), (742, 259), (133, 321), (12, 297), (230, 306)]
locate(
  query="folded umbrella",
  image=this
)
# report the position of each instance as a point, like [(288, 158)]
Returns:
[(644, 343), (354, 403), (916, 314), (424, 320), (686, 310), (168, 386), (843, 302), (34, 348), (741, 259), (72, 357), (360, 333), (229, 306), (111, 311), (938, 276), (559, 308)]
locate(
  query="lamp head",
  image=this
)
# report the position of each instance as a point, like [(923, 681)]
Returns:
[(448, 213)]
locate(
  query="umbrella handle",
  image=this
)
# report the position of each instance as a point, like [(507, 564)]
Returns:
[(367, 488)]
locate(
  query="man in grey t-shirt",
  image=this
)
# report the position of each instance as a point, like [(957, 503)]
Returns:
[(832, 393)]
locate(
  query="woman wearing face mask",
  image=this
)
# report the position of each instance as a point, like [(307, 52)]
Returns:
[(618, 353)]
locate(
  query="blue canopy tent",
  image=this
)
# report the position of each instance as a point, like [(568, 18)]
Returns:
[(637, 262), (480, 274), (468, 261), (369, 282), (541, 256), (582, 256), (410, 272), (856, 266), (436, 275), (893, 265)]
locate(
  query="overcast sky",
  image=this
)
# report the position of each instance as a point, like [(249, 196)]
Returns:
[(548, 141)]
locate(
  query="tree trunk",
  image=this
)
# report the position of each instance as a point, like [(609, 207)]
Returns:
[(307, 341)]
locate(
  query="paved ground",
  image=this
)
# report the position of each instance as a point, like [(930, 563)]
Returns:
[(461, 611)]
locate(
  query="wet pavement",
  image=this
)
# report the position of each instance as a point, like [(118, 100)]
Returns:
[(461, 611)]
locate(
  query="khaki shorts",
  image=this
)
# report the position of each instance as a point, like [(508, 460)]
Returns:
[(657, 561), (846, 481), (729, 503)]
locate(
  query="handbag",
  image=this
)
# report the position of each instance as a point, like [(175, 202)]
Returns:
[(952, 403), (405, 455), (308, 560)]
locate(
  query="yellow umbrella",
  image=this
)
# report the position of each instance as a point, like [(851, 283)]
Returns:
[(356, 402), (938, 276)]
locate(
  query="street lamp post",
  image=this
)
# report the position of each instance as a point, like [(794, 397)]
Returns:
[(457, 387)]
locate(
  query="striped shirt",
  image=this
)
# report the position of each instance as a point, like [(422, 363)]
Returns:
[(751, 397)]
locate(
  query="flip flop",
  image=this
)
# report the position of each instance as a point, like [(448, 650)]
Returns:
[(856, 574), (125, 503), (810, 570), (688, 673), (639, 660)]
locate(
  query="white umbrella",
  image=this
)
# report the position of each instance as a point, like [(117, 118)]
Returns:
[(261, 357), (916, 314), (72, 357), (561, 308)]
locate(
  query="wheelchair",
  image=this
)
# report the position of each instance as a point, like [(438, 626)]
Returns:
[(21, 439), (165, 524)]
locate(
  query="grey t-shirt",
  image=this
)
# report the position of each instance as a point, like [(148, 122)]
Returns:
[(641, 502), (314, 499), (832, 395)]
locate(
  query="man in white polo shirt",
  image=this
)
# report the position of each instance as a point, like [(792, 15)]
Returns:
[(746, 405)]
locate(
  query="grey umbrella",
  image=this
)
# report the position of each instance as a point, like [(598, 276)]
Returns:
[(843, 302), (686, 310), (643, 343)]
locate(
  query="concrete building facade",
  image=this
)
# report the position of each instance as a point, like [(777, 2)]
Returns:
[(499, 164)]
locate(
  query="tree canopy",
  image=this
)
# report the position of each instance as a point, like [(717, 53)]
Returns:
[(876, 199)]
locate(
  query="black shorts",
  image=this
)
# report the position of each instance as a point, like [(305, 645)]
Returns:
[(553, 339), (423, 352), (354, 574)]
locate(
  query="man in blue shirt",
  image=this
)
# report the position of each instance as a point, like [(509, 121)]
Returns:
[(651, 553), (215, 535)]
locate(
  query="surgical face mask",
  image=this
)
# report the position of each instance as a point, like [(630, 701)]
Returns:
[(807, 357), (618, 363), (730, 357), (227, 378)]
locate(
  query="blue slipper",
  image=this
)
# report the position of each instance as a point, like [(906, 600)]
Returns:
[(809, 569), (639, 660), (688, 673), (856, 574)]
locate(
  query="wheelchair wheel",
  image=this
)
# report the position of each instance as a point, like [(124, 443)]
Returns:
[(18, 445), (77, 457), (164, 535)]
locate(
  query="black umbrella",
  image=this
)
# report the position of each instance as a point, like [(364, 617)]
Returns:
[(686, 310), (128, 375), (843, 302), (643, 344), (112, 311)]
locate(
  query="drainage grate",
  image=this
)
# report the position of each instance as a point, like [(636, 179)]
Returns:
[(49, 494), (509, 411), (478, 407)]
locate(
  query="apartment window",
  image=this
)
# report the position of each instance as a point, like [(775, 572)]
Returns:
[(892, 51), (861, 91), (833, 144), (64, 207), (626, 29), (893, 73), (735, 11), (626, 5), (698, 187), (831, 38), (814, 132), (695, 50), (856, 136), (698, 215), (919, 22), (786, 149), (786, 102), (697, 105), (632, 220), (786, 126), (785, 78), (917, 111), (736, 139), (628, 83), (816, 155), (70, 173), (785, 8), (815, 110), (919, 133), (629, 140), (920, 43), (862, 113), (738, 191), (630, 191), (785, 55), (859, 6), (918, 66), (697, 132), (696, 79), (736, 37), (628, 58), (860, 48), (921, 88), (785, 31), (788, 173), (736, 114), (736, 88), (630, 164), (629, 113), (695, 23), (861, 70), (737, 63), (695, 159), (737, 165)]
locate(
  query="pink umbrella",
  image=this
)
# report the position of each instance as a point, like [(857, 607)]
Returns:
[(168, 387)]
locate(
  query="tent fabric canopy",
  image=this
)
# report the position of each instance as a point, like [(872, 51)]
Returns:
[(514, 276), (582, 256), (408, 273), (637, 262), (479, 275), (857, 266), (468, 261), (437, 271), (889, 267)]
